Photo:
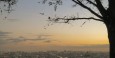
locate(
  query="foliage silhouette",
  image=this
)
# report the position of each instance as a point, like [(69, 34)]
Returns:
[(6, 6)]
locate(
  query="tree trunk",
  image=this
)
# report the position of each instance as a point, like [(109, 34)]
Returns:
[(110, 23), (112, 45), (111, 36)]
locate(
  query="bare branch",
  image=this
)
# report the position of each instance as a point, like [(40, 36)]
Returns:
[(89, 9), (100, 7), (66, 20)]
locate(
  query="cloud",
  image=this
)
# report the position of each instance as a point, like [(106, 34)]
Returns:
[(18, 39), (22, 39), (2, 41), (5, 39), (4, 34), (49, 41), (44, 36)]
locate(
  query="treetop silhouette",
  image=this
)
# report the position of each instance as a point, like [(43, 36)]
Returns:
[(6, 5)]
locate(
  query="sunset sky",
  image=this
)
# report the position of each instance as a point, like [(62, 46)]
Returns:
[(26, 27)]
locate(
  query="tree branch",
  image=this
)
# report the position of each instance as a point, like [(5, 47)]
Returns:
[(101, 8), (89, 9), (66, 20)]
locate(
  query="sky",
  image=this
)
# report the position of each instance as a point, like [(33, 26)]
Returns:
[(27, 29)]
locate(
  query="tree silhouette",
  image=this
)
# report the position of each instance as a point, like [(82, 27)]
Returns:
[(6, 5), (106, 15)]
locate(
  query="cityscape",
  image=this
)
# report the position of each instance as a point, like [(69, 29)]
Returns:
[(54, 54)]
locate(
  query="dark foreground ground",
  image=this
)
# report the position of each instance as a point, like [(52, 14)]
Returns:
[(54, 54)]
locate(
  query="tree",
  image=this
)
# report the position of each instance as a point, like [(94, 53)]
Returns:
[(106, 15), (6, 5)]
